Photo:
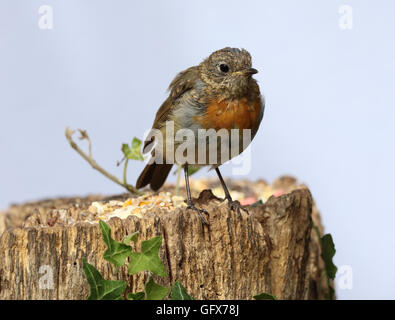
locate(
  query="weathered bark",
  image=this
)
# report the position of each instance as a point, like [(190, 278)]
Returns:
[(272, 250)]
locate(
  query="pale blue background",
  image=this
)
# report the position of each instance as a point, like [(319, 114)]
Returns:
[(106, 65)]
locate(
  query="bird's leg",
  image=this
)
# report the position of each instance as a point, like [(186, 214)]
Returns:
[(233, 205), (189, 198)]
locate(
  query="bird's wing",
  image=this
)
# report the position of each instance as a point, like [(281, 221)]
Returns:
[(182, 83)]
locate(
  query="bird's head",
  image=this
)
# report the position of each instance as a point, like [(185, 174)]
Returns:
[(228, 71)]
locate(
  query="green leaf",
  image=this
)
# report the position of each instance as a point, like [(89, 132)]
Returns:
[(134, 151), (331, 294), (148, 258), (136, 296), (125, 149), (154, 291), (328, 252), (116, 252), (130, 237), (178, 292), (265, 296), (258, 203), (192, 170), (101, 289)]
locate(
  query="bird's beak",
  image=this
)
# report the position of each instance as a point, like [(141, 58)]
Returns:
[(246, 72), (250, 71)]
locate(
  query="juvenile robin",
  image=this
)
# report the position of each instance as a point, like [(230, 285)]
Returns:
[(219, 93)]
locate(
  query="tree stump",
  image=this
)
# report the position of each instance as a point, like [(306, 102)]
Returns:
[(272, 249)]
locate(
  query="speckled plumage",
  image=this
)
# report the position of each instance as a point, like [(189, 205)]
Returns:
[(205, 97)]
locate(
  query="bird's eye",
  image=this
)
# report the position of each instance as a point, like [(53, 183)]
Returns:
[(223, 67)]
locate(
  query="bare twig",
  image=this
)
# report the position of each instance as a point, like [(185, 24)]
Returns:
[(69, 133), (84, 135)]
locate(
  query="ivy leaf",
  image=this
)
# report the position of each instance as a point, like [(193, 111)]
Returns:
[(331, 294), (265, 296), (192, 170), (136, 296), (328, 252), (154, 291), (258, 203), (133, 152), (178, 292), (116, 252), (101, 289), (130, 237), (148, 258)]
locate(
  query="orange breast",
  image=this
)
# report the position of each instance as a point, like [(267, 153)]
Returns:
[(237, 114)]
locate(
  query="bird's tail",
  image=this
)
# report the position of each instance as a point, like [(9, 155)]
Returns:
[(153, 174)]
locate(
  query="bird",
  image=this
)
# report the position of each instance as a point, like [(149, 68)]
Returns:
[(218, 94)]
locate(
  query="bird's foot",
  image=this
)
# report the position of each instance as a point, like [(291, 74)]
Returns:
[(200, 212), (235, 205)]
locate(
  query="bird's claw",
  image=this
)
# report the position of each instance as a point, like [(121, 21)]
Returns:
[(235, 205), (199, 211)]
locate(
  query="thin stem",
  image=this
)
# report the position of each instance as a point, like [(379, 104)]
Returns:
[(125, 168), (95, 166)]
